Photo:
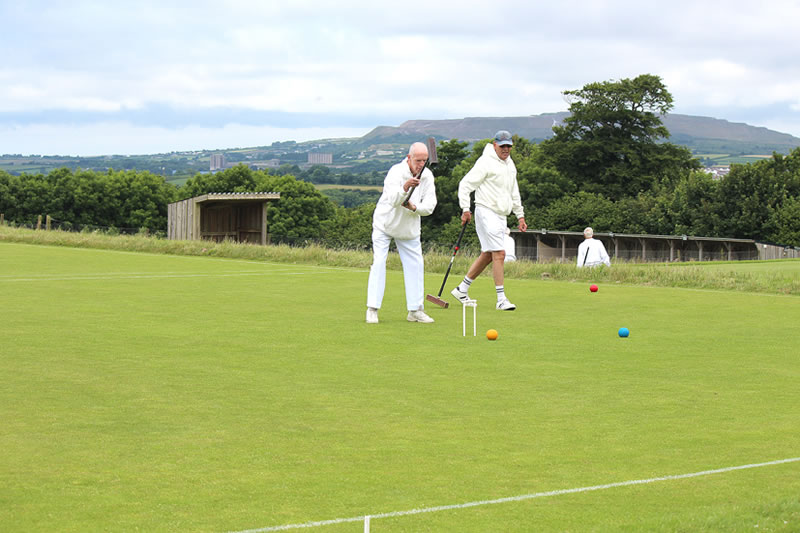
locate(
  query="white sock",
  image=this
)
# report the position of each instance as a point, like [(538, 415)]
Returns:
[(501, 292), (464, 285)]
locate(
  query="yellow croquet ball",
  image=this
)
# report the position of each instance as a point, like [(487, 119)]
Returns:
[(491, 334)]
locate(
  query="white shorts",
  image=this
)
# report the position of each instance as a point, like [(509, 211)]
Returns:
[(491, 229)]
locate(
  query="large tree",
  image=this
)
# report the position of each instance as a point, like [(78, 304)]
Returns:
[(613, 142), (754, 201)]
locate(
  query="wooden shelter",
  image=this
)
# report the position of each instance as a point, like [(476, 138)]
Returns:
[(562, 246), (241, 217)]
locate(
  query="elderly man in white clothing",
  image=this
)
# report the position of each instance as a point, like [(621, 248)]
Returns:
[(398, 219), (591, 252), (494, 180)]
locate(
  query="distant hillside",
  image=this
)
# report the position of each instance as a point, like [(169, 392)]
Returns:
[(713, 141), (700, 134)]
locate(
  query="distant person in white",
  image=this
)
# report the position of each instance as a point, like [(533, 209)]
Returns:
[(510, 246), (591, 252), (393, 220)]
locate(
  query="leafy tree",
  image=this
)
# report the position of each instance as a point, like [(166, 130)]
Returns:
[(301, 211), (144, 199), (9, 185), (449, 153), (786, 223), (236, 179), (352, 197), (645, 213), (317, 174), (540, 183), (33, 197), (575, 212), (690, 206), (128, 199), (611, 142), (286, 169), (349, 228), (749, 196)]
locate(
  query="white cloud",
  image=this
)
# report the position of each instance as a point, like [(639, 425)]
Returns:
[(392, 59)]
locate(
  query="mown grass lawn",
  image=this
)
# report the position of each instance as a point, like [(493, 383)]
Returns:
[(172, 393)]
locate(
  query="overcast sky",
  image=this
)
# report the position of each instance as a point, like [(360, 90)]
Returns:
[(91, 78)]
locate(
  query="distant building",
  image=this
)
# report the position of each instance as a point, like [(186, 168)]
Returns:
[(319, 158), (217, 162), (269, 163), (718, 172)]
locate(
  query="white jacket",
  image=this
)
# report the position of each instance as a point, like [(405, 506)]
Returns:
[(591, 252), (495, 184), (394, 219)]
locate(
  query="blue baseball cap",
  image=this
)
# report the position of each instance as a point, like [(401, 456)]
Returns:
[(503, 138)]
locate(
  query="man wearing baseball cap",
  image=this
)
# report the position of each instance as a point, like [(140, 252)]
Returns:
[(494, 180)]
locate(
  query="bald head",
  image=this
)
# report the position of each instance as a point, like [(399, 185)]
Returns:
[(418, 149), (417, 156)]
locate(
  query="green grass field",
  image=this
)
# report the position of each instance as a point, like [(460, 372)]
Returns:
[(149, 392)]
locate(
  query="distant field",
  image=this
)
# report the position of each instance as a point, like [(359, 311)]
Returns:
[(728, 159), (24, 167), (180, 393), (178, 182), (326, 186)]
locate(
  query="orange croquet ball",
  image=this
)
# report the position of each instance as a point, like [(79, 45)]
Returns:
[(491, 334)]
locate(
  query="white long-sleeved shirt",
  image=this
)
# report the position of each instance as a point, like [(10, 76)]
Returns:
[(494, 181), (390, 216), (591, 252)]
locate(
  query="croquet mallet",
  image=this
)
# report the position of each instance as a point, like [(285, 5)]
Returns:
[(438, 299)]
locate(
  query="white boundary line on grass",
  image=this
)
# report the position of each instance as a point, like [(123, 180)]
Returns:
[(164, 275), (516, 498)]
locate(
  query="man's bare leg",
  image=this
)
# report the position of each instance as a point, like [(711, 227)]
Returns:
[(479, 265), (498, 263)]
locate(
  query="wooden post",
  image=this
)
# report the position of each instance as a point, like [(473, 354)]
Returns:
[(2, 219), (39, 222), (48, 222), (264, 223), (538, 247)]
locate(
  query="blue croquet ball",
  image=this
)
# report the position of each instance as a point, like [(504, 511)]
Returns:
[(623, 332)]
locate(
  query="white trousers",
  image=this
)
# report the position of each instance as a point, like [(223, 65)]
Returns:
[(413, 270)]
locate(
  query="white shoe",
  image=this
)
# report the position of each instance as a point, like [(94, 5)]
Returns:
[(460, 296), (372, 315), (419, 316), (505, 305)]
